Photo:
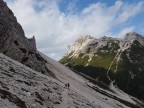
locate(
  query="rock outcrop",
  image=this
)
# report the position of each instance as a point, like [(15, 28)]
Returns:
[(14, 44)]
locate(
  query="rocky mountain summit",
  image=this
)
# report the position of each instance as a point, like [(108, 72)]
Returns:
[(84, 44), (14, 44), (108, 60)]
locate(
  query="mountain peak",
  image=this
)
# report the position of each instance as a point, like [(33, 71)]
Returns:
[(103, 37), (132, 34), (79, 44), (82, 39)]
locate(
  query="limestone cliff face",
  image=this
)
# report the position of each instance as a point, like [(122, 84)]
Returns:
[(14, 44)]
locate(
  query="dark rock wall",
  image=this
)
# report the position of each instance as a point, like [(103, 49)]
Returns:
[(14, 44)]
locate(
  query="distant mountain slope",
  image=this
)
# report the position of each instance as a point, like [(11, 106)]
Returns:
[(14, 44), (110, 60)]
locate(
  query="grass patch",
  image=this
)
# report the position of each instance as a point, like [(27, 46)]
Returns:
[(104, 60)]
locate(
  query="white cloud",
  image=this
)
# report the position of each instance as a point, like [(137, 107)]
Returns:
[(124, 31), (54, 30), (129, 11)]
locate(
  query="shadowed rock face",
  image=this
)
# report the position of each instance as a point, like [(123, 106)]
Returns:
[(14, 44)]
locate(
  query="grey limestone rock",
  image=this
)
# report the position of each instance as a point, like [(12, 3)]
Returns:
[(14, 44)]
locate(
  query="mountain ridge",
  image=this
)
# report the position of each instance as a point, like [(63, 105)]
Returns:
[(110, 59), (129, 37)]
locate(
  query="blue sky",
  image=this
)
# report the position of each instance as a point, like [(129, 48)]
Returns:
[(79, 5), (58, 23)]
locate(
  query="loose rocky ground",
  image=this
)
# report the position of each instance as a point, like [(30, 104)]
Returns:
[(21, 87)]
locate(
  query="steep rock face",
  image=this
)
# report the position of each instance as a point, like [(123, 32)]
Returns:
[(79, 45), (110, 59), (14, 44)]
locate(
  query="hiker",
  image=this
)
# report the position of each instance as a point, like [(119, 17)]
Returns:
[(68, 85)]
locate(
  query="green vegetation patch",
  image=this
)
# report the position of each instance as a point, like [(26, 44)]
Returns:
[(104, 60), (81, 60), (67, 58)]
